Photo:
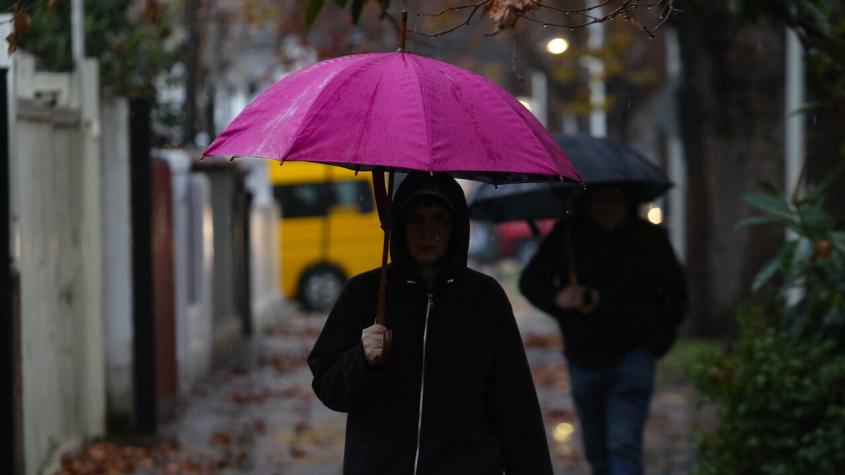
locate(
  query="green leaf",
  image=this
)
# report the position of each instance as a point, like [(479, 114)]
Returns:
[(761, 219), (796, 263), (782, 262), (312, 10), (357, 8), (815, 218), (837, 239), (774, 205), (766, 273)]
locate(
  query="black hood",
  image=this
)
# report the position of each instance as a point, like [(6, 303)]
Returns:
[(446, 188)]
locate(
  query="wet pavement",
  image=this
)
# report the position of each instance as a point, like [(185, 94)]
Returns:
[(258, 415)]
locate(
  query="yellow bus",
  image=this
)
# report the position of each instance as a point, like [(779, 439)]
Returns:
[(329, 229)]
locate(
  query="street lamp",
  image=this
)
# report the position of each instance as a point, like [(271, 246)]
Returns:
[(557, 46)]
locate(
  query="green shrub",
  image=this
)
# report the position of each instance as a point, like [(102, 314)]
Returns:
[(780, 393), (780, 402)]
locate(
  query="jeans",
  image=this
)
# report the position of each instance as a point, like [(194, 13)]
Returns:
[(612, 404)]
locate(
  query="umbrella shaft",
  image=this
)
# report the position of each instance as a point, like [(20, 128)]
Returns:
[(381, 304)]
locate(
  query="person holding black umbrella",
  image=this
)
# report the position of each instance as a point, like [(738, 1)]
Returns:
[(612, 282)]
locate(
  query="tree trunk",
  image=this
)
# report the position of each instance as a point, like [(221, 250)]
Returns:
[(733, 125)]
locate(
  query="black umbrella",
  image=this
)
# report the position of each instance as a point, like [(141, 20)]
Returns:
[(600, 161)]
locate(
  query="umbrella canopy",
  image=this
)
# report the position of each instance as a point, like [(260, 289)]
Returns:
[(600, 161), (398, 112)]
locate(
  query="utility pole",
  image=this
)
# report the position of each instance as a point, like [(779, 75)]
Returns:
[(676, 155), (190, 130), (793, 142), (794, 147), (595, 66), (540, 94), (77, 32)]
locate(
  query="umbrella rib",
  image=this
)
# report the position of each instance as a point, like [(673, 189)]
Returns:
[(454, 88), (369, 117), (424, 107)]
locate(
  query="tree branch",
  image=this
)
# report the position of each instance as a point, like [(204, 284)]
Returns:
[(625, 8), (459, 25)]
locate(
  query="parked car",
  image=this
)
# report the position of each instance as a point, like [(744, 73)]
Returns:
[(518, 241), (490, 242), (329, 230)]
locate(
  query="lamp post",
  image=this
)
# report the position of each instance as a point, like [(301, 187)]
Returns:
[(539, 82), (77, 33), (540, 96), (595, 66)]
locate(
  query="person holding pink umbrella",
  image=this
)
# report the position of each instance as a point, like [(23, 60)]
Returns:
[(456, 395), (423, 353)]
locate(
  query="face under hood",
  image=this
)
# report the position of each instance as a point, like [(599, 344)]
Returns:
[(447, 189)]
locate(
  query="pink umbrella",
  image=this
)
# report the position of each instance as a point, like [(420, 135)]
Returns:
[(395, 112), (399, 112)]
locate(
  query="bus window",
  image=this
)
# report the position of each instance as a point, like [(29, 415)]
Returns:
[(302, 200), (353, 194)]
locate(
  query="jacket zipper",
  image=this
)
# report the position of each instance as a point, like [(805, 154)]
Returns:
[(430, 295)]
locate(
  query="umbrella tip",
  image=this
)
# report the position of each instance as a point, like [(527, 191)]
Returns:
[(402, 31)]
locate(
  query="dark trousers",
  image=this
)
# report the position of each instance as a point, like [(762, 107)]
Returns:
[(612, 405)]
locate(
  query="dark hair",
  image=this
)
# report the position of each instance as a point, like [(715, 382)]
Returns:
[(427, 199)]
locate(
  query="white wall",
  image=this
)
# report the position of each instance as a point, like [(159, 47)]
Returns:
[(117, 254), (266, 299), (227, 321), (58, 251), (199, 325)]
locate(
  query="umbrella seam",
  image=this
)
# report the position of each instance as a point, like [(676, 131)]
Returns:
[(454, 89), (368, 120), (425, 112)]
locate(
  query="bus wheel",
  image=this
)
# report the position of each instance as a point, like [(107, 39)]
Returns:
[(320, 286)]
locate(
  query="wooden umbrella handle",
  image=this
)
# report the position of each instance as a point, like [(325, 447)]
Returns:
[(381, 303), (383, 199)]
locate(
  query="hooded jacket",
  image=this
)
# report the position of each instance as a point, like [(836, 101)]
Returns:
[(457, 395), (643, 292)]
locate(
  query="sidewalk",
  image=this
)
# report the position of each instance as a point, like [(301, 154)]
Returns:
[(259, 415)]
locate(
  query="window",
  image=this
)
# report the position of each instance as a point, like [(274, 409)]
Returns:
[(302, 201), (316, 199), (353, 193)]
